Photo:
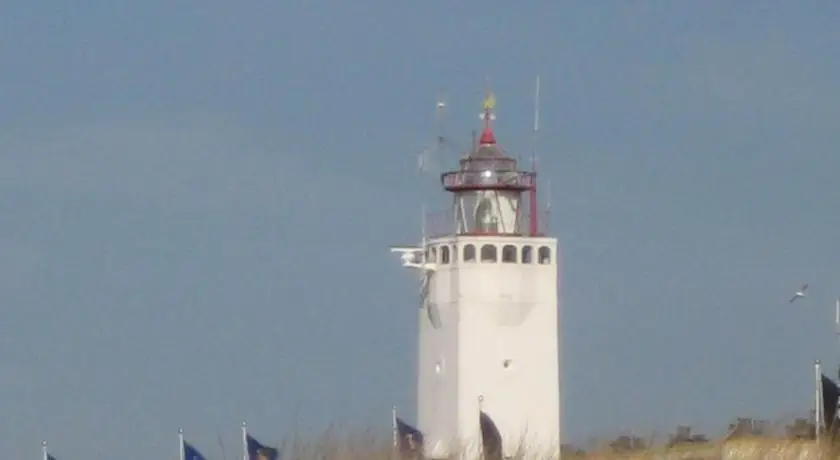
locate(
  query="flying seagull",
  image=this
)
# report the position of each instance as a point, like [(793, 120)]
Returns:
[(800, 292)]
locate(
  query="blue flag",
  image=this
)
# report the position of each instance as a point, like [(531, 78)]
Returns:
[(409, 439), (258, 451), (191, 453), (491, 438), (50, 457)]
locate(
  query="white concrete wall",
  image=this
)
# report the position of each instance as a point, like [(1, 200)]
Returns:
[(438, 391), (492, 312)]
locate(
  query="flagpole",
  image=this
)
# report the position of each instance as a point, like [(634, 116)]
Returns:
[(818, 415), (837, 319), (44, 450), (182, 454), (244, 440), (394, 426), (480, 444)]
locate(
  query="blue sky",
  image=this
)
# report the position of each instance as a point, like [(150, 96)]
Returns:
[(197, 199)]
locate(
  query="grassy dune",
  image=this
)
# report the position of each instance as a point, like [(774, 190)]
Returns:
[(742, 443), (369, 447)]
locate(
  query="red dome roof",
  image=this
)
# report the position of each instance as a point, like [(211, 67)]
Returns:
[(487, 136)]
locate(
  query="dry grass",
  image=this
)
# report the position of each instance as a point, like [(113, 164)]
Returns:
[(343, 444), (366, 446)]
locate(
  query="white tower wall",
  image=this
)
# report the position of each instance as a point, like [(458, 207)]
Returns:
[(490, 330)]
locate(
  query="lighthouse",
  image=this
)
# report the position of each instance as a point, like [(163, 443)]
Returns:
[(488, 366)]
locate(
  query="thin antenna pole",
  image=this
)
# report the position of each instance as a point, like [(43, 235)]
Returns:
[(440, 113), (818, 400), (44, 450), (430, 155), (428, 159), (423, 226), (534, 210), (547, 203), (537, 108)]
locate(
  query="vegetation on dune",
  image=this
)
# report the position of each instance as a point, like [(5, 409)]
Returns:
[(745, 438), (741, 427)]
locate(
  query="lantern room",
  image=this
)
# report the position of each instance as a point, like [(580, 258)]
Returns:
[(488, 188)]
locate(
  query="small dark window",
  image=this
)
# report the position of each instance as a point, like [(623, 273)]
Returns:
[(434, 255), (527, 255), (489, 253), (469, 253), (444, 254), (545, 255), (509, 254)]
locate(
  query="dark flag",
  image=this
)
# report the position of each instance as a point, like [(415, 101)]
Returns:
[(830, 397), (258, 451), (491, 439), (50, 457), (409, 439), (191, 453)]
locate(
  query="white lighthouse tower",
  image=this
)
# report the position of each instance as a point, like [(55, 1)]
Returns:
[(489, 363)]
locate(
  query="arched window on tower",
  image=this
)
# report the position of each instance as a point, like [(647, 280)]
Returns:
[(489, 253), (527, 255), (469, 253), (434, 256), (444, 255), (544, 255), (509, 254)]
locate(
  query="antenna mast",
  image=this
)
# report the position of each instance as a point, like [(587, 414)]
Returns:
[(547, 203), (423, 226), (536, 112), (427, 160), (533, 192), (439, 113)]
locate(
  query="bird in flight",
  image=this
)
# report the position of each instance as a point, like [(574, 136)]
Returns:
[(799, 293)]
